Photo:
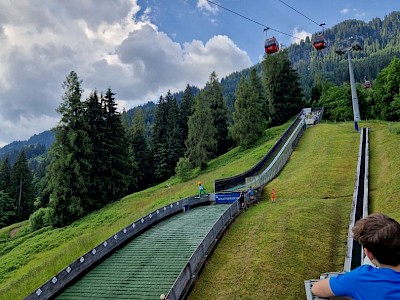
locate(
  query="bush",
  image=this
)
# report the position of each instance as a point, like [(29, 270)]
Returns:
[(183, 169), (41, 218)]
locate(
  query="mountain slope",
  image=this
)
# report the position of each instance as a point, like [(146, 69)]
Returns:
[(29, 259), (272, 248), (313, 192)]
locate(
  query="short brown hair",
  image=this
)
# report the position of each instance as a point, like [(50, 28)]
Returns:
[(380, 234)]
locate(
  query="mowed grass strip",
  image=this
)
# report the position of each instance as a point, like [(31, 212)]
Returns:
[(29, 260), (271, 249), (384, 176)]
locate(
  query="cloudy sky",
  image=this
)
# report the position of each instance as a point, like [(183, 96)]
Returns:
[(139, 48)]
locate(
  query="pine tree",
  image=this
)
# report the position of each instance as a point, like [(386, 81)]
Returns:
[(168, 142), (283, 93), (175, 141), (201, 143), (69, 170), (258, 92), (249, 122), (186, 109), (8, 205), (219, 113), (124, 120), (95, 129), (160, 141), (21, 188), (142, 165), (116, 150), (5, 176), (7, 209), (44, 192)]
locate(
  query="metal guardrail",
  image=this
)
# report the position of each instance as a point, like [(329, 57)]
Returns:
[(228, 183), (280, 159), (87, 261), (309, 283), (359, 206), (240, 181), (321, 112), (190, 271)]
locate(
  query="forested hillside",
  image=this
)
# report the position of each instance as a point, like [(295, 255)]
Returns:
[(380, 40), (101, 155), (34, 146)]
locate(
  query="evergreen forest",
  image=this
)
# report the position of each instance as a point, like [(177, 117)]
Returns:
[(96, 154)]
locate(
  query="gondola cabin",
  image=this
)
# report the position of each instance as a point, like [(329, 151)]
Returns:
[(271, 45), (367, 84), (319, 42)]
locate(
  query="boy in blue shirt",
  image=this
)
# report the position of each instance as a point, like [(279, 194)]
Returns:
[(380, 237)]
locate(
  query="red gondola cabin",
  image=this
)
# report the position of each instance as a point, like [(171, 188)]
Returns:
[(367, 84), (319, 42), (271, 45)]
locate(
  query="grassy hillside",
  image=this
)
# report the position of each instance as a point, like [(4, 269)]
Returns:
[(385, 169), (271, 249), (29, 259)]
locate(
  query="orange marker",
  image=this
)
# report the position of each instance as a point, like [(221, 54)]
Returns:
[(273, 195)]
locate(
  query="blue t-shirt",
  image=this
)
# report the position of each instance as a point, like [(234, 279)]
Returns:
[(367, 282)]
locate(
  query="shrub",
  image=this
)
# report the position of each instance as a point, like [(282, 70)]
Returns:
[(183, 169), (41, 218)]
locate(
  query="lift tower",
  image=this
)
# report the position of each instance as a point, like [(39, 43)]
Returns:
[(354, 99)]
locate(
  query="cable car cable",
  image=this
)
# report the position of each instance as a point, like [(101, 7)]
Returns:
[(322, 24), (319, 42), (251, 20)]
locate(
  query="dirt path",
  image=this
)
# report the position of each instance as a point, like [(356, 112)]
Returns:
[(14, 231)]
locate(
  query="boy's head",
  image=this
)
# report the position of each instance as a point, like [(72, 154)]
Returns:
[(380, 234)]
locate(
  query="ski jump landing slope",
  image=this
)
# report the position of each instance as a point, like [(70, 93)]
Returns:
[(149, 265)]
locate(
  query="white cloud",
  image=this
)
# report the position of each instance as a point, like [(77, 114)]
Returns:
[(344, 11), (206, 6), (299, 35), (106, 45), (358, 13)]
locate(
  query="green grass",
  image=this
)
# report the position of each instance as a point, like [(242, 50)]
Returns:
[(384, 169), (29, 259), (6, 232), (271, 249), (268, 251)]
